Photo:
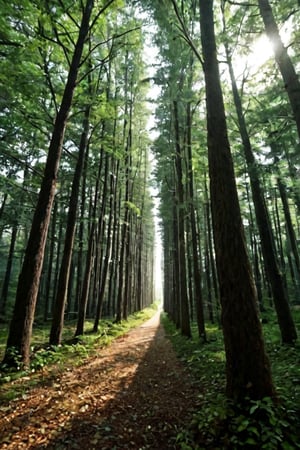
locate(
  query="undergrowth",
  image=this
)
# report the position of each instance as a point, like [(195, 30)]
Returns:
[(221, 425), (47, 361)]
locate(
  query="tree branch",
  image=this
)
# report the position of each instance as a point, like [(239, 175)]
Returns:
[(186, 34), (100, 12)]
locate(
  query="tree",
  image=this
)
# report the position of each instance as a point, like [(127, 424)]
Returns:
[(248, 372), (179, 186), (21, 325), (63, 281), (286, 323)]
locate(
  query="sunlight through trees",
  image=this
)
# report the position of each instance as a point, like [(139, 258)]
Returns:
[(149, 152)]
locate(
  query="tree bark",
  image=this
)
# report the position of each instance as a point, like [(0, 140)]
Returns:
[(9, 263), (107, 257), (175, 268), (124, 237), (64, 273), (86, 283), (83, 301), (183, 291), (50, 263), (198, 300), (248, 372)]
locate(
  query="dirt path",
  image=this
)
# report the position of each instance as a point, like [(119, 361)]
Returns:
[(134, 394)]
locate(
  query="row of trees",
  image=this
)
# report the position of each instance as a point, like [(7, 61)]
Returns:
[(76, 210), (228, 183), (73, 122)]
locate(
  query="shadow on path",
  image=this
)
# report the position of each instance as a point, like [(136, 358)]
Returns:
[(134, 395)]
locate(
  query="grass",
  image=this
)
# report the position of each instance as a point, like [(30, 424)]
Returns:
[(47, 361), (219, 424)]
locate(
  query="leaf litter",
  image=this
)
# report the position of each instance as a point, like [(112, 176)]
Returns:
[(133, 394)]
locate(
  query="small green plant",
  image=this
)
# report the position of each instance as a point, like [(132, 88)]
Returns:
[(220, 425), (260, 424), (15, 359), (44, 357)]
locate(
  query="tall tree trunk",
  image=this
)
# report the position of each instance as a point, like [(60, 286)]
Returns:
[(128, 270), (287, 70), (279, 231), (21, 325), (64, 273), (86, 283), (83, 301), (127, 140), (139, 277), (107, 257), (175, 267), (50, 262), (196, 268), (248, 372), (253, 238), (183, 291), (114, 271), (285, 320), (6, 280), (124, 236), (212, 264), (81, 233), (289, 225)]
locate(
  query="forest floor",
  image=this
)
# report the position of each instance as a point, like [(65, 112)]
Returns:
[(133, 394)]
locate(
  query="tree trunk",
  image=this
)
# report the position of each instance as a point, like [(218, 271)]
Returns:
[(183, 292), (211, 256), (124, 236), (196, 268), (107, 257), (6, 280), (128, 271), (248, 372), (114, 272), (64, 273), (86, 283), (83, 301), (289, 225), (21, 325), (287, 70), (175, 268), (50, 263), (81, 232)]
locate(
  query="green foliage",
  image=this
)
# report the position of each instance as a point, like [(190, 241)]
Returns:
[(43, 357), (257, 424), (219, 424), (133, 207), (15, 357)]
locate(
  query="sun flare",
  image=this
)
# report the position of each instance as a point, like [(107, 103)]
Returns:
[(260, 52)]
